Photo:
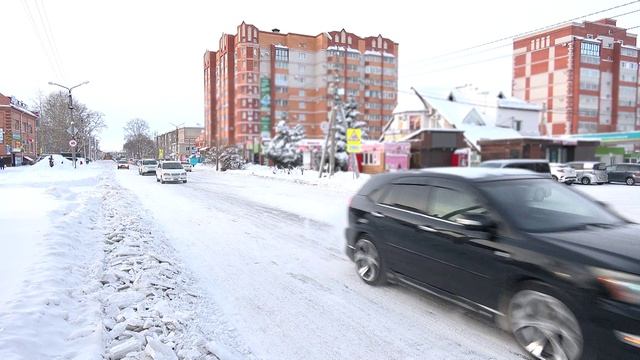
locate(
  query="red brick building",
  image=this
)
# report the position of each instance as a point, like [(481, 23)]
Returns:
[(257, 78), (18, 139), (586, 74)]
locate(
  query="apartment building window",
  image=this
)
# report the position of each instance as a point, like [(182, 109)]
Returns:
[(352, 92), (302, 117), (370, 159), (282, 89), (372, 57), (301, 93), (302, 56), (282, 54), (373, 93), (628, 71), (281, 79), (352, 67), (587, 127), (302, 105), (629, 52), (374, 106), (588, 105), (388, 95), (590, 53), (281, 102), (372, 70), (389, 60), (353, 55), (589, 79), (335, 66), (389, 83), (627, 96), (281, 115), (626, 121), (389, 71)]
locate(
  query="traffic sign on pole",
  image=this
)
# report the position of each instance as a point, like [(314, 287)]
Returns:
[(73, 143)]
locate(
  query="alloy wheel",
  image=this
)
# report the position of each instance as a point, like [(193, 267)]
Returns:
[(630, 181), (544, 326), (367, 261), (585, 181)]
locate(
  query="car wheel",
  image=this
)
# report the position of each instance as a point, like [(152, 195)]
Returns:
[(162, 181), (630, 181), (600, 183), (544, 326), (368, 262), (184, 181), (554, 177), (568, 183), (157, 180), (585, 181)]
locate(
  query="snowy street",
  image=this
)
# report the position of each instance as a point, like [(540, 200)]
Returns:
[(228, 265)]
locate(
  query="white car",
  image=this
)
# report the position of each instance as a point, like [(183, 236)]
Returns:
[(170, 171), (187, 166), (147, 166), (563, 173)]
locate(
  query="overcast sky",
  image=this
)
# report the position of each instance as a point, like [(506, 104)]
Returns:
[(144, 58)]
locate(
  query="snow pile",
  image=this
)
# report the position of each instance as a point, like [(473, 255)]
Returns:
[(42, 173), (150, 311), (59, 163), (341, 181)]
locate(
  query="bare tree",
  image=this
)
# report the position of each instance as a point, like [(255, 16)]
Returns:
[(138, 141), (55, 119)]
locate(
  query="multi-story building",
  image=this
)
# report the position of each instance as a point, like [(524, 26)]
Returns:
[(18, 132), (257, 78), (178, 144), (585, 74)]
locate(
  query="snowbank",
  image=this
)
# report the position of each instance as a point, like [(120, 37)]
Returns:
[(41, 173), (340, 181)]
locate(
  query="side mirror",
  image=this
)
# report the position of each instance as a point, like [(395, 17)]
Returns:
[(476, 222)]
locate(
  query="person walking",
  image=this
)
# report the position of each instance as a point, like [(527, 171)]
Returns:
[(1, 163)]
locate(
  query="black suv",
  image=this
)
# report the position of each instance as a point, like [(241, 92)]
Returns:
[(626, 173), (558, 270)]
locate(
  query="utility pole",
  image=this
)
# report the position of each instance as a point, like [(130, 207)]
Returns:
[(177, 140), (73, 129)]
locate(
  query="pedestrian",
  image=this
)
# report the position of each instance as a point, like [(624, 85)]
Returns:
[(1, 163), (50, 161)]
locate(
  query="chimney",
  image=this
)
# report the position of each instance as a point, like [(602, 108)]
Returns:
[(275, 30)]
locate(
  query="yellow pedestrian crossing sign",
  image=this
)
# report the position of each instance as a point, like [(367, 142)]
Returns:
[(354, 140)]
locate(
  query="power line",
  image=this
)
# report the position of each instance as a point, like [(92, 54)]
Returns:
[(510, 37), (45, 50), (505, 55), (44, 18)]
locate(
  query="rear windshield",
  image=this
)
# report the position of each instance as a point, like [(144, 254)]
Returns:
[(149, 162), (599, 166), (171, 166), (122, 161)]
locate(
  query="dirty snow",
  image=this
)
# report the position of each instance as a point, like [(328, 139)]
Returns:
[(103, 264)]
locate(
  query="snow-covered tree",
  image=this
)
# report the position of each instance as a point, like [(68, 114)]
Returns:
[(350, 120), (231, 158), (282, 149)]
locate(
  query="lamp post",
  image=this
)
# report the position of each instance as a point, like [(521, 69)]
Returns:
[(73, 129), (177, 140)]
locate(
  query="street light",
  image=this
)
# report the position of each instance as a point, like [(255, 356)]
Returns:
[(73, 129)]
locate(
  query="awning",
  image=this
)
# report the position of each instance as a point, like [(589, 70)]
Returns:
[(28, 158)]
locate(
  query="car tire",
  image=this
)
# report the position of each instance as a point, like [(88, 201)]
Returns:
[(543, 325), (568, 183), (585, 181), (184, 181), (600, 183), (369, 264), (555, 178), (630, 181), (162, 182), (157, 180)]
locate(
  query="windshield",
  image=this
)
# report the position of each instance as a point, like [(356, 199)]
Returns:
[(540, 205), (122, 161), (172, 166), (149, 162), (491, 165)]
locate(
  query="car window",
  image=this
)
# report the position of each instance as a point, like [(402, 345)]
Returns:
[(546, 206), (599, 166), (491, 165), (172, 166), (577, 166), (612, 168), (450, 204), (376, 195), (407, 197), (542, 168), (149, 162)]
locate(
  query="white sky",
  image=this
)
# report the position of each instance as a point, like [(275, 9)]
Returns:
[(144, 58)]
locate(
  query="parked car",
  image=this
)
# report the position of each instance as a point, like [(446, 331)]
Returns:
[(170, 171), (187, 166), (535, 165), (123, 164), (563, 173), (147, 166), (558, 270), (626, 173), (590, 172)]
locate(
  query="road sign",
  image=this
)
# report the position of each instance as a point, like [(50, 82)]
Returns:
[(354, 140), (73, 143), (72, 131)]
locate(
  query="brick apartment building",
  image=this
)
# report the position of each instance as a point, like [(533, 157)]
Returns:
[(257, 78), (18, 132), (586, 74), (178, 144)]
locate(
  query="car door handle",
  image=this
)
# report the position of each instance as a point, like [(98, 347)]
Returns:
[(377, 214), (427, 228)]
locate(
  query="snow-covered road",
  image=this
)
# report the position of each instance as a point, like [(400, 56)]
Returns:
[(240, 266), (271, 255)]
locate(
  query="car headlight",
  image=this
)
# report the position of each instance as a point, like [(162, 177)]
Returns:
[(621, 286)]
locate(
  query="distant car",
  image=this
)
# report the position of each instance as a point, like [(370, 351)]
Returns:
[(147, 166), (563, 173), (536, 165), (170, 171), (626, 173), (590, 172), (558, 270), (187, 166), (123, 164)]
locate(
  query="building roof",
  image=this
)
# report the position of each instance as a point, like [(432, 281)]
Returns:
[(408, 102)]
